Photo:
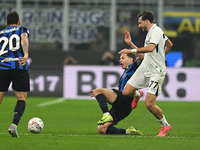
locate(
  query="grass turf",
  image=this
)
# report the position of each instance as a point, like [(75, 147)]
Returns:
[(72, 124)]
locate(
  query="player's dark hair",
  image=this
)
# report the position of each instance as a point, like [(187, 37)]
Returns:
[(146, 15), (12, 18), (130, 55)]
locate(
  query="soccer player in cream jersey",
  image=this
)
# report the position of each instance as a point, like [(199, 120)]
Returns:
[(151, 72)]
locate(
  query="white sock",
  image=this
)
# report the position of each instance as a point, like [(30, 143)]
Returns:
[(107, 113), (127, 132), (136, 95), (163, 122)]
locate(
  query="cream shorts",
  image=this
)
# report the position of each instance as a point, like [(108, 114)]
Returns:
[(143, 78)]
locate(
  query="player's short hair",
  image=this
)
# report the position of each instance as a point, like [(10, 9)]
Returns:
[(131, 55), (146, 15), (12, 18)]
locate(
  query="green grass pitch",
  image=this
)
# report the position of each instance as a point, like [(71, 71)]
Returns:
[(72, 125)]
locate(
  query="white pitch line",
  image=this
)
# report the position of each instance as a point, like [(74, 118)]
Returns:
[(60, 100), (109, 136), (56, 101)]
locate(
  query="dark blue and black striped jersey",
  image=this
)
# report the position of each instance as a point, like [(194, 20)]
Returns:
[(128, 72), (11, 48)]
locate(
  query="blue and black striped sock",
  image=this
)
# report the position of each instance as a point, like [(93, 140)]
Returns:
[(113, 130), (18, 111), (102, 102)]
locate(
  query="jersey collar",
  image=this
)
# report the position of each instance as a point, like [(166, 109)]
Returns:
[(152, 27)]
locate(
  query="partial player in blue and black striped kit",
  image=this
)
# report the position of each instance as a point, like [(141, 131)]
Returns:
[(13, 65), (128, 72), (11, 49), (121, 105)]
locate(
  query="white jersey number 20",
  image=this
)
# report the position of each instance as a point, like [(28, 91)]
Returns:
[(13, 47)]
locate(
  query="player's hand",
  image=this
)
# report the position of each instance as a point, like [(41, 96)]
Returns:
[(124, 51), (91, 93), (23, 60), (127, 37)]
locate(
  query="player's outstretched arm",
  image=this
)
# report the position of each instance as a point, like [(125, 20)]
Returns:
[(128, 40), (146, 49), (125, 51)]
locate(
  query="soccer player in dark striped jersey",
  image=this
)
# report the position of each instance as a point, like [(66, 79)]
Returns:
[(128, 71), (121, 105), (13, 65)]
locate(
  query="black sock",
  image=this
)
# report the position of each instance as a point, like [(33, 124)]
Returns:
[(113, 130), (18, 111), (102, 102)]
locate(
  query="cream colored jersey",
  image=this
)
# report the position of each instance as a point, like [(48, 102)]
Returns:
[(151, 72), (155, 61)]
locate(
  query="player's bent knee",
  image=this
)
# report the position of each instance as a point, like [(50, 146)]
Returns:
[(149, 106), (96, 91), (126, 93), (101, 129), (21, 95)]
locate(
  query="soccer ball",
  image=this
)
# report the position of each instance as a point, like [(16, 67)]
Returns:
[(35, 125)]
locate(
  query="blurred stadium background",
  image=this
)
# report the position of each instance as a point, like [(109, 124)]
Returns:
[(86, 29)]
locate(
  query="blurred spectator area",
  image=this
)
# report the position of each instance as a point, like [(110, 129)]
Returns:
[(108, 58), (54, 60)]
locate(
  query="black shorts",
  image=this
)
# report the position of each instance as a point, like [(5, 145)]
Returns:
[(19, 78), (121, 108)]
